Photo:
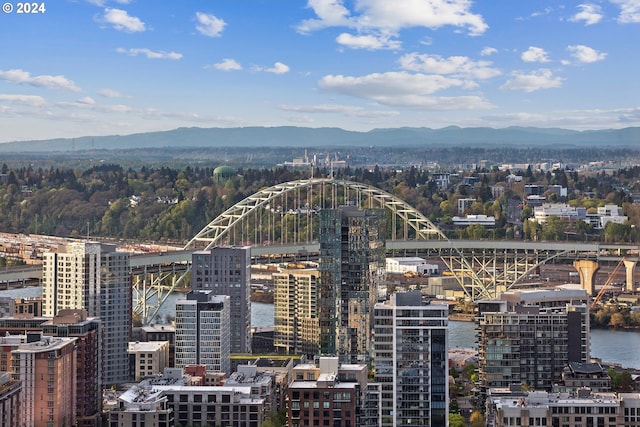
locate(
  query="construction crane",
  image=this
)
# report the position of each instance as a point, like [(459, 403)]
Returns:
[(606, 285)]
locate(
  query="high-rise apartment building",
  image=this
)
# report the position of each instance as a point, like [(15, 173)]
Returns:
[(227, 271), (88, 334), (202, 331), (352, 271), (47, 369), (529, 337), (94, 277), (410, 360), (9, 400), (295, 307)]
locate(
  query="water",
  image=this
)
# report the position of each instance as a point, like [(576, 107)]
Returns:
[(612, 346)]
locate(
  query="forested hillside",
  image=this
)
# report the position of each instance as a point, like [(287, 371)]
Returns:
[(165, 204)]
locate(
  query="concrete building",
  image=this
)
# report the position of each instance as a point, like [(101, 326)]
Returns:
[(47, 370), (411, 265), (94, 277), (483, 220), (227, 271), (465, 204), (174, 399), (352, 275), (157, 332), (202, 331), (583, 408), (295, 309), (148, 358), (88, 332), (583, 375), (558, 210), (528, 337), (327, 393), (9, 400), (410, 360)]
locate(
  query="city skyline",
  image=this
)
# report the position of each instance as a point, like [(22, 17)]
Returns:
[(104, 67)]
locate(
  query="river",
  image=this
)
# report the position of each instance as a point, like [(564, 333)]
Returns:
[(612, 346)]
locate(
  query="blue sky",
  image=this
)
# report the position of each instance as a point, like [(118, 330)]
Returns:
[(104, 67)]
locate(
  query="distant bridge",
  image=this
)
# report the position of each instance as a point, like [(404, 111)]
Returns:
[(287, 214)]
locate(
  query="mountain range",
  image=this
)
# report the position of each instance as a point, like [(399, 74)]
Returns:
[(304, 137)]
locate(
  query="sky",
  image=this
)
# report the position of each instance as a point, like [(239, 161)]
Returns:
[(115, 67)]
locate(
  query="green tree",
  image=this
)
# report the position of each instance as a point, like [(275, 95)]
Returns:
[(457, 420)]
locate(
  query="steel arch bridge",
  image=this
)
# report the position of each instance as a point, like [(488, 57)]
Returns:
[(295, 203), (267, 216), (218, 230)]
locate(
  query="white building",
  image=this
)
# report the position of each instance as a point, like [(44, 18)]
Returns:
[(202, 331), (584, 408), (149, 358), (94, 277), (464, 204), (559, 210), (410, 360), (411, 265), (611, 213), (483, 220)]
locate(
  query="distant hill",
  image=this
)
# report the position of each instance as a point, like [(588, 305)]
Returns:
[(290, 136)]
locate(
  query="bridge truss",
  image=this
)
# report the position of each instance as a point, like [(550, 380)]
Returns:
[(286, 214)]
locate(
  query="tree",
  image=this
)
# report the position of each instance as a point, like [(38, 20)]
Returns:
[(457, 420), (476, 419)]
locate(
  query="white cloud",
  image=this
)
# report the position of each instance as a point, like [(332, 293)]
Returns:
[(459, 66), (344, 110), (278, 68), (369, 42), (535, 80), (629, 11), (330, 13), (487, 51), (31, 100), (151, 54), (390, 17), (87, 100), (209, 25), (110, 93), (589, 13), (46, 81), (402, 89), (535, 54), (122, 21), (228, 64), (586, 54)]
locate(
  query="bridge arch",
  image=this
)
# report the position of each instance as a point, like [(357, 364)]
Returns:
[(217, 231)]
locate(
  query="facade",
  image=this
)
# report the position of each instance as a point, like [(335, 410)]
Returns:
[(227, 271), (47, 369), (89, 349), (328, 393), (410, 265), (465, 221), (410, 360), (583, 375), (202, 331), (352, 274), (559, 210), (158, 332), (148, 358), (464, 204), (9, 400), (295, 305), (94, 277), (531, 336), (583, 408)]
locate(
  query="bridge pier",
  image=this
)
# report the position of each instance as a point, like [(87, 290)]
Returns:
[(629, 267), (587, 270)]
